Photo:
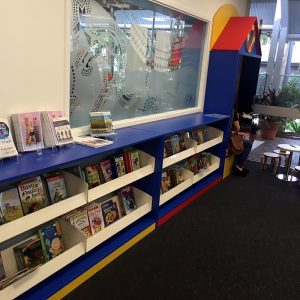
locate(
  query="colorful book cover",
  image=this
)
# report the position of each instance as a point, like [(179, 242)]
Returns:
[(32, 194), (106, 169), (62, 130), (182, 144), (80, 220), (95, 218), (56, 188), (29, 254), (127, 197), (127, 161), (195, 136), (193, 165), (2, 272), (179, 175), (200, 134), (90, 141), (119, 165), (31, 131), (51, 240), (92, 176), (168, 147), (175, 144), (165, 182), (134, 160), (10, 204), (100, 122), (7, 146), (110, 212)]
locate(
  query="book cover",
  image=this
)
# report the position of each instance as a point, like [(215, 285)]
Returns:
[(100, 122), (110, 212), (106, 169), (95, 218), (200, 135), (193, 165), (195, 136), (168, 147), (31, 131), (80, 220), (56, 187), (90, 141), (29, 254), (127, 161), (182, 138), (32, 194), (119, 164), (165, 182), (7, 146), (51, 240), (127, 198), (62, 130), (10, 204), (175, 143), (179, 175), (134, 160), (92, 176)]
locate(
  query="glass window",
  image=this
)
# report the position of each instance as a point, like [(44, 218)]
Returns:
[(133, 58)]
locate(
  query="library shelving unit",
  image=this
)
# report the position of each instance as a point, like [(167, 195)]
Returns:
[(83, 253)]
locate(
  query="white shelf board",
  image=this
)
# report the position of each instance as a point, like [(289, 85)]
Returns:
[(215, 164), (74, 185), (147, 167), (144, 204), (188, 181), (168, 161), (215, 136)]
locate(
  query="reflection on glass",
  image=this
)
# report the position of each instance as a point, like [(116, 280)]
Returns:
[(132, 60)]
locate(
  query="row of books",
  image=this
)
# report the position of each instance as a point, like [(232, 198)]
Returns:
[(93, 217), (35, 251), (31, 195), (178, 142), (173, 175), (108, 169)]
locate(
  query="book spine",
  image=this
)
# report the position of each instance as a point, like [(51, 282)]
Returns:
[(44, 249)]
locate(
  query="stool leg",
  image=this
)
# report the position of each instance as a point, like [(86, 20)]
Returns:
[(275, 166), (262, 163)]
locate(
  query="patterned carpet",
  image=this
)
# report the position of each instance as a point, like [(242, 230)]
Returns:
[(270, 145)]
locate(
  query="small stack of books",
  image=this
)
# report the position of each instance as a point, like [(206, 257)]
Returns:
[(175, 144), (101, 124), (171, 177), (198, 162)]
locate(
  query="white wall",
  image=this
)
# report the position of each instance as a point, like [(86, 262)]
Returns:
[(34, 52)]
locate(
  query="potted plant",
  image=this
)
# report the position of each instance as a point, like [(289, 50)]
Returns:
[(269, 126)]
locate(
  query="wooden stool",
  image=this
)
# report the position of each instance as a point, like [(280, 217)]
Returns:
[(286, 154), (275, 160)]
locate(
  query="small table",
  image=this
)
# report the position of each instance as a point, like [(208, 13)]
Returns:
[(292, 148)]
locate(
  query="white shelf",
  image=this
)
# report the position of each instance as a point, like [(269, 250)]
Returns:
[(76, 188), (74, 249), (144, 204), (147, 167), (188, 181), (215, 136), (215, 164)]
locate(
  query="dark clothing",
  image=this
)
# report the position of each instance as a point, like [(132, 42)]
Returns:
[(241, 158)]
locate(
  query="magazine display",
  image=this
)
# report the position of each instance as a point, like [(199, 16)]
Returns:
[(48, 128), (7, 146), (62, 131), (28, 131)]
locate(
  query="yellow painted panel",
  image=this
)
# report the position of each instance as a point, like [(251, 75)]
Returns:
[(228, 165), (220, 19), (100, 265)]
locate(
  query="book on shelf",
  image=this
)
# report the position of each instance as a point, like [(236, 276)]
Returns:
[(56, 187), (51, 240), (110, 211), (165, 182), (32, 195), (92, 176), (10, 204), (101, 124), (176, 175), (62, 131), (134, 159), (49, 134), (168, 151), (193, 165), (175, 144), (182, 139), (29, 254), (93, 142), (105, 169), (7, 146), (127, 198), (80, 220), (118, 164), (95, 217), (28, 131)]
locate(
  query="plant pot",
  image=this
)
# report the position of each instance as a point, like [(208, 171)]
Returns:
[(269, 129)]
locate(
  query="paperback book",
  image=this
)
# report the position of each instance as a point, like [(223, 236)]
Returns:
[(49, 134), (62, 130), (28, 131), (106, 170), (51, 240), (32, 194), (7, 146), (92, 176), (119, 165), (56, 187), (127, 198), (110, 212), (165, 182), (10, 204), (95, 217), (80, 220)]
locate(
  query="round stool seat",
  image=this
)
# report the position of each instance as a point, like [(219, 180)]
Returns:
[(297, 168), (275, 160), (280, 152), (271, 154)]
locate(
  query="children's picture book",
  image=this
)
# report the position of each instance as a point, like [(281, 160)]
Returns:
[(80, 220), (101, 123), (62, 130), (92, 176), (51, 240), (119, 165), (175, 143), (168, 151), (165, 182), (90, 141), (32, 195), (28, 130), (56, 187), (10, 204), (182, 137), (127, 198), (193, 165), (106, 170), (7, 146), (110, 211), (134, 160), (29, 254), (95, 218), (2, 272)]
